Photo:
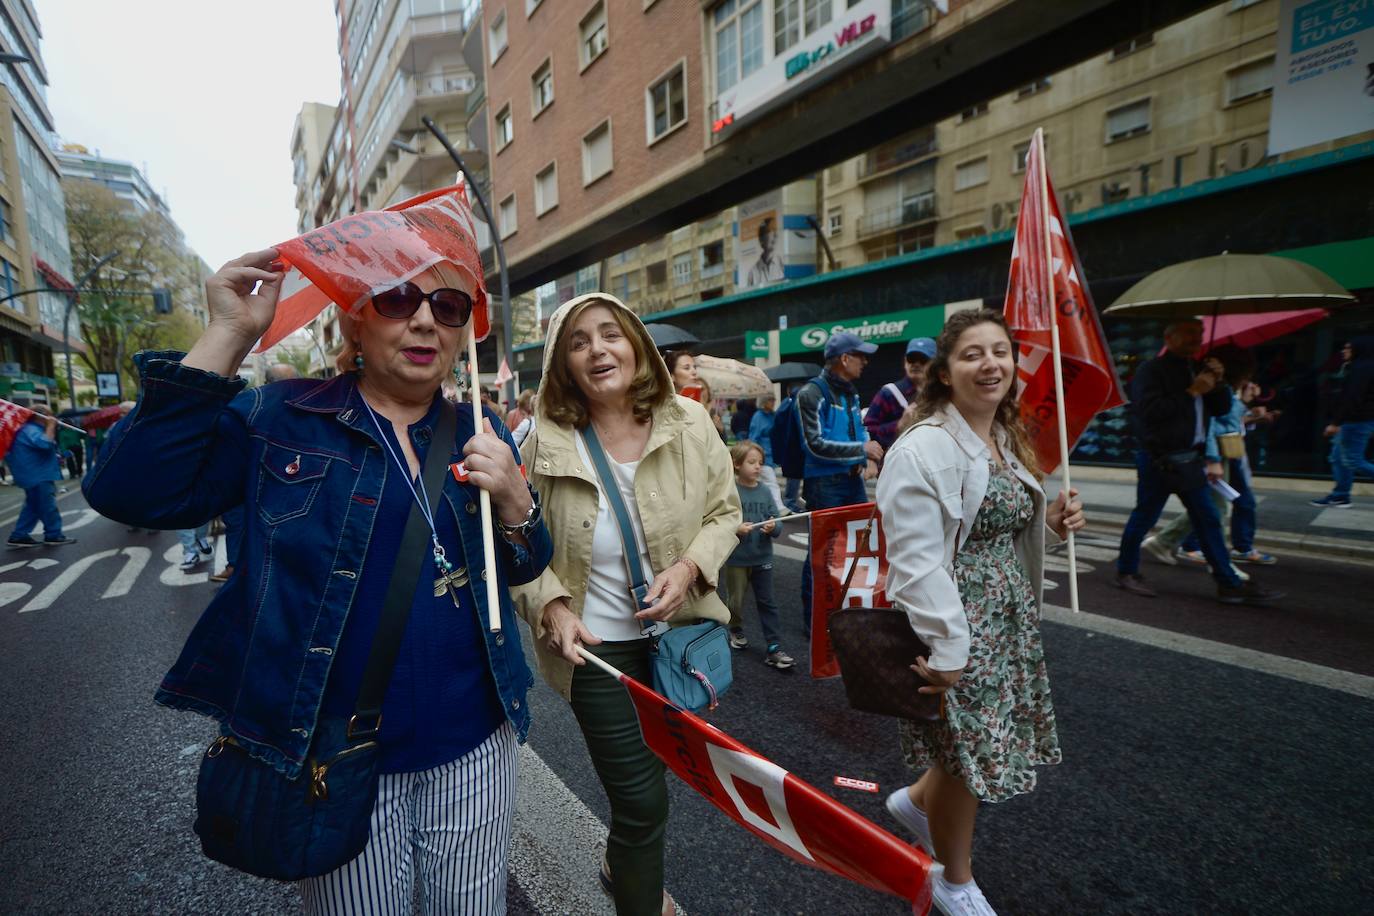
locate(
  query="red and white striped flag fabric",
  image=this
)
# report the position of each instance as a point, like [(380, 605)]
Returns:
[(503, 373), (788, 814), (12, 419), (1048, 287)]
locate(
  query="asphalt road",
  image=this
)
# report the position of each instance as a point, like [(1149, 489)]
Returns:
[(1188, 785)]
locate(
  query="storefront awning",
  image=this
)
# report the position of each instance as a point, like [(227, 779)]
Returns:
[(1349, 263)]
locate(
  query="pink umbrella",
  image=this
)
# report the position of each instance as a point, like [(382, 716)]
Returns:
[(1254, 329)]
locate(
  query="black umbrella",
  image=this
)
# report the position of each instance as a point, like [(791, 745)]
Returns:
[(670, 336), (792, 372)]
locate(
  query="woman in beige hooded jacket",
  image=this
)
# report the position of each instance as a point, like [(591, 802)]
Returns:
[(674, 473)]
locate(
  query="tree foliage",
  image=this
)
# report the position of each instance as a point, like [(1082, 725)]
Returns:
[(116, 306)]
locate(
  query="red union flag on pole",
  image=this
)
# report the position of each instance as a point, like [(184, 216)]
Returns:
[(839, 547), (12, 419), (788, 814), (1045, 290)]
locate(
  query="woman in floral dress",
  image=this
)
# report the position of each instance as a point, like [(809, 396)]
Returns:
[(965, 519)]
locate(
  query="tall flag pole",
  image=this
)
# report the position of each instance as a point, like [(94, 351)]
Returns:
[(1055, 325)]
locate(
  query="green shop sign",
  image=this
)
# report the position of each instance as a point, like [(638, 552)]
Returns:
[(893, 327)]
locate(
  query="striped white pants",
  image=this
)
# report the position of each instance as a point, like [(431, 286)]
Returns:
[(450, 825)]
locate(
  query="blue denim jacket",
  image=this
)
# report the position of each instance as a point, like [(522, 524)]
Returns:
[(311, 475)]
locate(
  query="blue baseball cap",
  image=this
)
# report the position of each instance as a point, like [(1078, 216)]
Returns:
[(921, 346), (844, 342)]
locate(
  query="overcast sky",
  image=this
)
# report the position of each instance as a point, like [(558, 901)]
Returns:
[(204, 93)]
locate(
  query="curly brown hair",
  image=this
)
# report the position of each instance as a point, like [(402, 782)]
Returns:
[(565, 404), (936, 393)]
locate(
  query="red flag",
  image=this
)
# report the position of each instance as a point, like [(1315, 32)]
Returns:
[(786, 813), (1090, 381), (503, 373), (837, 544), (349, 260), (12, 419)]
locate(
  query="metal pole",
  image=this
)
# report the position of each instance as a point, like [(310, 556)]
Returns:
[(495, 241)]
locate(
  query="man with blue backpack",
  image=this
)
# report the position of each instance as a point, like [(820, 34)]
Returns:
[(820, 436)]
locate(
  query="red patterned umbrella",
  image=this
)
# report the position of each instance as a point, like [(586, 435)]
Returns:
[(103, 418)]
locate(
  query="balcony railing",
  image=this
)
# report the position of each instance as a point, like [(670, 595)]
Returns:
[(898, 152), (427, 87), (913, 210)]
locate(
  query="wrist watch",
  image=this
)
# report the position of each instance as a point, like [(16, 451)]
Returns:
[(532, 518)]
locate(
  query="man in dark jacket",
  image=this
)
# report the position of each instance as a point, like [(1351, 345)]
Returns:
[(1172, 399), (1352, 423)]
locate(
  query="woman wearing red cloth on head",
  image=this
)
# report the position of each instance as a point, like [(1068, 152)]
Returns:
[(328, 472)]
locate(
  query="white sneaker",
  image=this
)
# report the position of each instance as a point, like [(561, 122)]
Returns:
[(1158, 552), (959, 900), (912, 818), (189, 561)]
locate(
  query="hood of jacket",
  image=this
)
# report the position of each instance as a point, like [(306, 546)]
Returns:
[(553, 341)]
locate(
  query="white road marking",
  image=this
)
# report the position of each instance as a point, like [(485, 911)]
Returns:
[(11, 519), (42, 563), (1308, 673), (1357, 519), (138, 558), (87, 516), (11, 592), (47, 596), (12, 566)]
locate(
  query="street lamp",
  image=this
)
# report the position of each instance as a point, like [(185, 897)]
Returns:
[(67, 320)]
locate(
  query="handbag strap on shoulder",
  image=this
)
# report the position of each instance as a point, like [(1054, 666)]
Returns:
[(611, 488), (400, 590)]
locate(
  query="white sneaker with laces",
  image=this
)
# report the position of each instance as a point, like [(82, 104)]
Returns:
[(900, 806), (959, 899)]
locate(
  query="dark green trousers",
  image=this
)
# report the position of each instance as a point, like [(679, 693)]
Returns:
[(630, 773)]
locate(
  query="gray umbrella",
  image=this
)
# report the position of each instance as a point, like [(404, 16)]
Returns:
[(670, 336), (792, 372)]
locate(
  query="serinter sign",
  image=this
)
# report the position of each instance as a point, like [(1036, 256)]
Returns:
[(856, 34), (893, 327)]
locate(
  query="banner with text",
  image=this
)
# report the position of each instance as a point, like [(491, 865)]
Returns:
[(1323, 73), (840, 539)]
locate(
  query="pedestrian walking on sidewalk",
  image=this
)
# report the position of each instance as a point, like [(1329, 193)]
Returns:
[(328, 475), (1173, 397), (604, 383), (1352, 423), (1226, 458), (966, 519), (34, 461)]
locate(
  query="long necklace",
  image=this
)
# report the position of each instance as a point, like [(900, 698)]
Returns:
[(441, 561)]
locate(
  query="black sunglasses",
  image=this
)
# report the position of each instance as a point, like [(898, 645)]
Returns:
[(450, 307)]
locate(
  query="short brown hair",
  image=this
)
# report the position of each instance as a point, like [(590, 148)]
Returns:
[(565, 404), (741, 449)]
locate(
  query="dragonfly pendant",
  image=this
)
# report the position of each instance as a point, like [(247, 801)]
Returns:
[(450, 582)]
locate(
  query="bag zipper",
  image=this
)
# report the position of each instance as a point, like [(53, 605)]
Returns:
[(319, 772), (686, 667)]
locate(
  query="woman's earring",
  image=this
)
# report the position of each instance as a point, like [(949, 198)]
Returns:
[(358, 361)]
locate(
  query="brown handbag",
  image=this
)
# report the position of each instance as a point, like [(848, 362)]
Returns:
[(876, 648)]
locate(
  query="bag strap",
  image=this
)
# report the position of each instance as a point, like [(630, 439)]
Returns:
[(618, 508), (400, 591), (896, 393), (863, 538)]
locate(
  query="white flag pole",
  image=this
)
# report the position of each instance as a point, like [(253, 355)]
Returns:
[(484, 498), (1039, 141), (604, 666)]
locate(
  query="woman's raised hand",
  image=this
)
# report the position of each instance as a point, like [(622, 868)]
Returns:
[(234, 306)]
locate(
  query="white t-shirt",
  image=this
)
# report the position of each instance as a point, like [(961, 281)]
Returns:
[(608, 609)]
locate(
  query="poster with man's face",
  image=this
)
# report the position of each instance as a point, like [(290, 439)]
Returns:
[(758, 248)]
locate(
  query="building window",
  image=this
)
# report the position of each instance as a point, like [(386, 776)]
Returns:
[(497, 35), (1114, 192), (739, 41), (546, 189), (505, 128), (625, 287), (1034, 88), (541, 87), (712, 259), (596, 153), (656, 274), (1132, 45), (7, 274), (682, 269), (815, 13), (667, 103), (968, 114), (506, 209), (835, 222), (6, 224), (835, 174), (786, 24), (1128, 121), (592, 30), (1250, 81), (971, 174), (969, 232)]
